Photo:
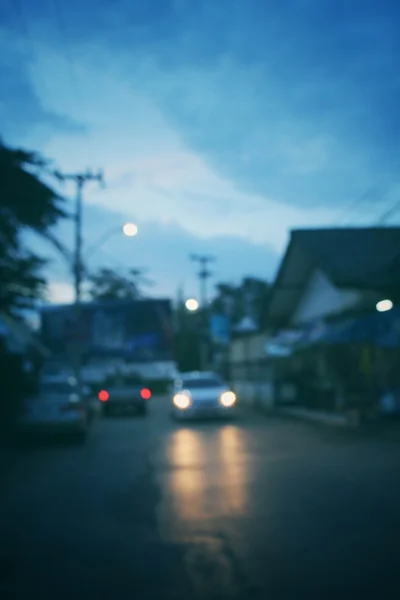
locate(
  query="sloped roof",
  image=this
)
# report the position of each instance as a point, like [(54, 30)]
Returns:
[(353, 257), (358, 258)]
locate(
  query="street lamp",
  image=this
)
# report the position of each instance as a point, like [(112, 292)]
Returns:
[(384, 305), (128, 229), (192, 305)]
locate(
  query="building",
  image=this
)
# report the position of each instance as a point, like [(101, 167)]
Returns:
[(109, 336), (322, 318), (327, 287), (326, 272)]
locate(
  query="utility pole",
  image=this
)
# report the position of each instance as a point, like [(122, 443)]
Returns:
[(80, 180), (204, 274)]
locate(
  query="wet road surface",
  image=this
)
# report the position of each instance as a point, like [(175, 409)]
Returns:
[(257, 508)]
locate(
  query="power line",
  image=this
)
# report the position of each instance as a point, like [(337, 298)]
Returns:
[(388, 213), (375, 187), (380, 187)]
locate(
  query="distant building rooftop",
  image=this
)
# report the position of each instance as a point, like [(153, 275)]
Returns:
[(353, 258)]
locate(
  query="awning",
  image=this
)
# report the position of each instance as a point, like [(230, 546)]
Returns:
[(283, 344), (380, 329)]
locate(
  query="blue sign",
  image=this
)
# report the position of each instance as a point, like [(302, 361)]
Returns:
[(139, 328), (220, 329)]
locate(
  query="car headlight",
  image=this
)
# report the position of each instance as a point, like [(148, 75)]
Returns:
[(182, 400), (227, 399)]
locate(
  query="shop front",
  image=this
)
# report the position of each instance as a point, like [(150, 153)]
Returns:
[(351, 362)]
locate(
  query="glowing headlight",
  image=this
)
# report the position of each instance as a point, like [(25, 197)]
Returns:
[(182, 401), (227, 399)]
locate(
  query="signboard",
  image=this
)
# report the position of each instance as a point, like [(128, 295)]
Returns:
[(135, 330), (220, 329)]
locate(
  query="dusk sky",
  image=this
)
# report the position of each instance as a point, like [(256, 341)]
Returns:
[(220, 124)]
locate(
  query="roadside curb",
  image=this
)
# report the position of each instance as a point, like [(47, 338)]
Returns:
[(350, 420), (334, 420), (349, 424)]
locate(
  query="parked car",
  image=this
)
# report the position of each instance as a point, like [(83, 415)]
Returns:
[(57, 408), (202, 394)]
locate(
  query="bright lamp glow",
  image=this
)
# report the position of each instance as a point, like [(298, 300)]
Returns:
[(130, 229), (384, 305), (181, 401), (228, 399), (192, 304)]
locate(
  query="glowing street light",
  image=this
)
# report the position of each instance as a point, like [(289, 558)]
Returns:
[(130, 229), (192, 304), (384, 305)]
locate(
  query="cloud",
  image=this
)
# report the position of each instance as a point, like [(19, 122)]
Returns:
[(294, 100), (21, 110), (150, 173), (290, 101)]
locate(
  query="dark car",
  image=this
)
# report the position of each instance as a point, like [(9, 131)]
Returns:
[(125, 394)]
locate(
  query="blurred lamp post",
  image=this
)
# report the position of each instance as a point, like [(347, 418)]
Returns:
[(128, 230)]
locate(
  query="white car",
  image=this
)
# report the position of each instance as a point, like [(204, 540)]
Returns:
[(202, 394)]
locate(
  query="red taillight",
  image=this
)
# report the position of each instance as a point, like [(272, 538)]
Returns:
[(145, 394), (103, 396)]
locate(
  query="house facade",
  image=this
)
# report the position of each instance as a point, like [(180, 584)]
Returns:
[(327, 278), (328, 286), (249, 369)]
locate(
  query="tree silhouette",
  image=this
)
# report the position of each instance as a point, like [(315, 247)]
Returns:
[(108, 284), (249, 298), (26, 203)]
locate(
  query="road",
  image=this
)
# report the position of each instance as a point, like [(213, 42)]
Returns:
[(258, 508)]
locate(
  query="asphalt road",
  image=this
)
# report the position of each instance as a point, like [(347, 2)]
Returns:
[(258, 508)]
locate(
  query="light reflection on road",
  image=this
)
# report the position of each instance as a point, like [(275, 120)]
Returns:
[(187, 478), (206, 479), (233, 470)]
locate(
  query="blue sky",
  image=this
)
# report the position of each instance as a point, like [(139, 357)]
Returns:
[(220, 124)]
